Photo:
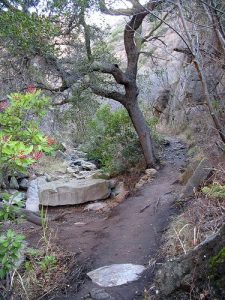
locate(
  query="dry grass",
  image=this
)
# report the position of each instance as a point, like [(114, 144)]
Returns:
[(202, 217), (35, 282)]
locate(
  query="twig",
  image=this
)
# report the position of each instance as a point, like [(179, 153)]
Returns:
[(21, 280), (182, 245), (157, 204), (144, 208)]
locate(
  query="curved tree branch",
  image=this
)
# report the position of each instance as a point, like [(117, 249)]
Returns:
[(108, 94), (112, 69)]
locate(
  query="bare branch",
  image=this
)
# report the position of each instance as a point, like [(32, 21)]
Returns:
[(155, 28)]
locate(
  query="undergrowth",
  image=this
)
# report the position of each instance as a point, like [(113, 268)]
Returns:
[(112, 140)]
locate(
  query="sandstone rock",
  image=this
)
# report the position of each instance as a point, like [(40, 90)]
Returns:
[(78, 176), (79, 223), (96, 206), (71, 192), (24, 183), (113, 183), (150, 172), (75, 154), (88, 166), (61, 155), (176, 274), (119, 188), (32, 203), (116, 274), (13, 184), (99, 294), (74, 169), (140, 183), (99, 174), (77, 162), (148, 177)]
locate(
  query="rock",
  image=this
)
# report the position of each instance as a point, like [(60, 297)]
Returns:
[(200, 174), (139, 184), (77, 162), (161, 102), (113, 183), (116, 274), (149, 175), (24, 184), (87, 174), (176, 274), (61, 155), (79, 223), (21, 176), (71, 192), (88, 166), (99, 174), (96, 206), (33, 202), (151, 172), (78, 176), (13, 184), (48, 177), (75, 154), (122, 196), (99, 294), (118, 189), (74, 169)]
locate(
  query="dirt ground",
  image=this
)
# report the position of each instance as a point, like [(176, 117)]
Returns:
[(129, 233)]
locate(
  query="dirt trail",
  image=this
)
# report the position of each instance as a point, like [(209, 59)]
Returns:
[(132, 233)]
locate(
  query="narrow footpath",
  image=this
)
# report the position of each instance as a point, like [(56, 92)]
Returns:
[(133, 231)]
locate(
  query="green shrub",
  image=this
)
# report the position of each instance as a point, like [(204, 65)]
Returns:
[(10, 251), (215, 191), (21, 141), (9, 209), (112, 140), (216, 272), (21, 144)]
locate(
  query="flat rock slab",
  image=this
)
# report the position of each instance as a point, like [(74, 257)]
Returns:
[(115, 275), (71, 192)]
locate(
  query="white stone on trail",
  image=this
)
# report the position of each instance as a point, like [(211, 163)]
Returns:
[(116, 274)]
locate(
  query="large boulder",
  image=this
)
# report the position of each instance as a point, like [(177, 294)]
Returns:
[(71, 192)]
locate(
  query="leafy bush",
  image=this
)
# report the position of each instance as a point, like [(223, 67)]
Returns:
[(9, 209), (10, 251), (112, 140), (21, 142), (215, 191)]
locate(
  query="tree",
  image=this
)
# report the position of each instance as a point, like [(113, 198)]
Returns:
[(126, 78), (67, 20)]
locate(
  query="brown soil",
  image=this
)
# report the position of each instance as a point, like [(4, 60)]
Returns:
[(130, 233)]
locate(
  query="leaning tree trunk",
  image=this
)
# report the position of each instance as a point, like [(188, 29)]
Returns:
[(143, 133)]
